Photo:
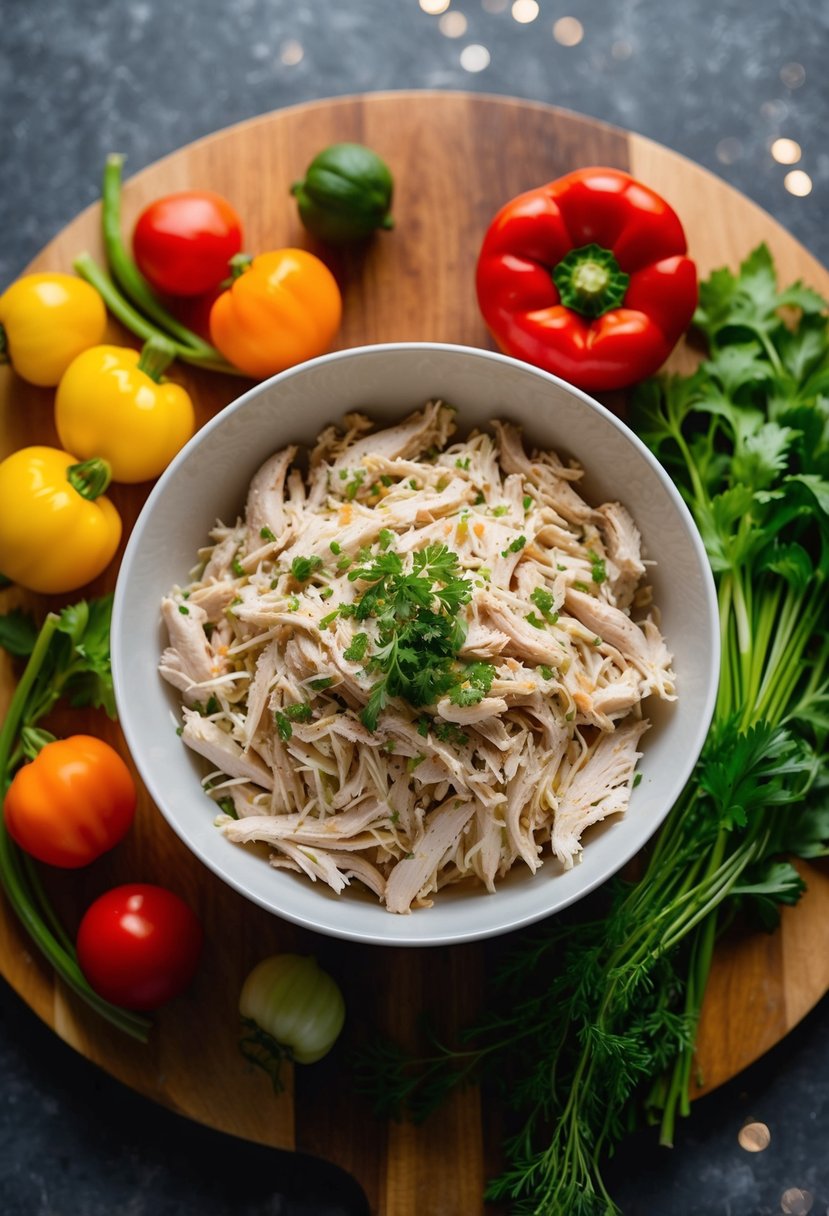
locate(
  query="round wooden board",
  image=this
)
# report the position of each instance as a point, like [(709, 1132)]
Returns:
[(456, 158)]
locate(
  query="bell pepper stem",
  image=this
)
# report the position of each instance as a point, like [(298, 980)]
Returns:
[(124, 270), (89, 477), (239, 263), (156, 356), (590, 281), (131, 319), (33, 739)]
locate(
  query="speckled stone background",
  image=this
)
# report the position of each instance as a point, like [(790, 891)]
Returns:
[(80, 78)]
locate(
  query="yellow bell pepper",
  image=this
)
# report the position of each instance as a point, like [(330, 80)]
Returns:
[(112, 402), (56, 531), (282, 307), (46, 320)]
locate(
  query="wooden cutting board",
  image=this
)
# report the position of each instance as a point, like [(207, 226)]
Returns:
[(456, 159)]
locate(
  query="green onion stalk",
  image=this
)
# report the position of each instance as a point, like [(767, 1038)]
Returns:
[(128, 295)]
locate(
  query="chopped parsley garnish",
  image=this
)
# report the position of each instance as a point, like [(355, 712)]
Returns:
[(534, 620), (476, 681), (419, 629), (515, 546), (299, 713), (303, 567), (546, 672), (386, 480), (413, 762), (356, 652), (184, 610), (528, 502), (579, 586), (637, 777), (293, 603), (543, 600), (344, 562), (354, 485), (343, 474), (394, 817), (385, 538), (448, 732), (319, 685), (237, 568), (326, 593), (412, 483), (335, 548), (213, 705), (500, 510), (283, 726), (479, 498), (598, 568), (423, 727), (266, 534), (226, 804), (462, 464)]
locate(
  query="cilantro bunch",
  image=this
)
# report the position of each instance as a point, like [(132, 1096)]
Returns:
[(592, 1022)]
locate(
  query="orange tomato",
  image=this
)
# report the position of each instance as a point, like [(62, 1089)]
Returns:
[(72, 803), (281, 308)]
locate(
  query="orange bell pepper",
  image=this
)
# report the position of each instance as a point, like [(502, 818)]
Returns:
[(281, 308)]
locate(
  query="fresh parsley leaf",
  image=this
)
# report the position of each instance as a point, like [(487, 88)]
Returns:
[(303, 567), (356, 652), (18, 633)]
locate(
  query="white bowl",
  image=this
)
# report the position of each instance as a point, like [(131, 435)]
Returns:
[(209, 479)]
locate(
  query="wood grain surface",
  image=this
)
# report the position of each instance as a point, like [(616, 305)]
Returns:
[(456, 158)]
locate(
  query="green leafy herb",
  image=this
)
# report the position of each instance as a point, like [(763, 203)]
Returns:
[(500, 510), (528, 502), (303, 567), (385, 538), (266, 534), (321, 684), (515, 546), (356, 652), (298, 713), (419, 629), (335, 548), (184, 610), (544, 600), (462, 463), (354, 485), (592, 1021), (237, 568), (598, 567), (283, 725)]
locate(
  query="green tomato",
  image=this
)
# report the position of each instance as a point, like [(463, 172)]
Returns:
[(290, 1009), (346, 194)]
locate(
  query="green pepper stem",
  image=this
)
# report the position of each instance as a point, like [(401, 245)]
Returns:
[(124, 270), (590, 281), (238, 264), (89, 477), (33, 739), (131, 319), (156, 356)]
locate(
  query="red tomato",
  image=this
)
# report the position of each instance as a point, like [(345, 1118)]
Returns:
[(73, 802), (138, 945), (183, 242)]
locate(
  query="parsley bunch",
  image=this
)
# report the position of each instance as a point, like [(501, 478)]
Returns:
[(419, 631), (592, 1022), (67, 658)]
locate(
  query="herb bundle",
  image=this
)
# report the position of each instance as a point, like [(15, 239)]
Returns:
[(592, 1022)]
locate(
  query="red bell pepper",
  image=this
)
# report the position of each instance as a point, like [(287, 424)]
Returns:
[(587, 278)]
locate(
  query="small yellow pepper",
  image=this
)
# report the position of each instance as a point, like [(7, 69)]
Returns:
[(56, 531), (45, 321), (282, 307), (112, 402)]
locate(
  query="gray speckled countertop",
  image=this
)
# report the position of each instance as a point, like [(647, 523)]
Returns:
[(80, 78)]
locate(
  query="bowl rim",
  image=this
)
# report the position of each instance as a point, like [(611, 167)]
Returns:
[(691, 748)]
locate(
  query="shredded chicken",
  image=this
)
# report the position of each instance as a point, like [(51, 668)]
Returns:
[(275, 688)]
